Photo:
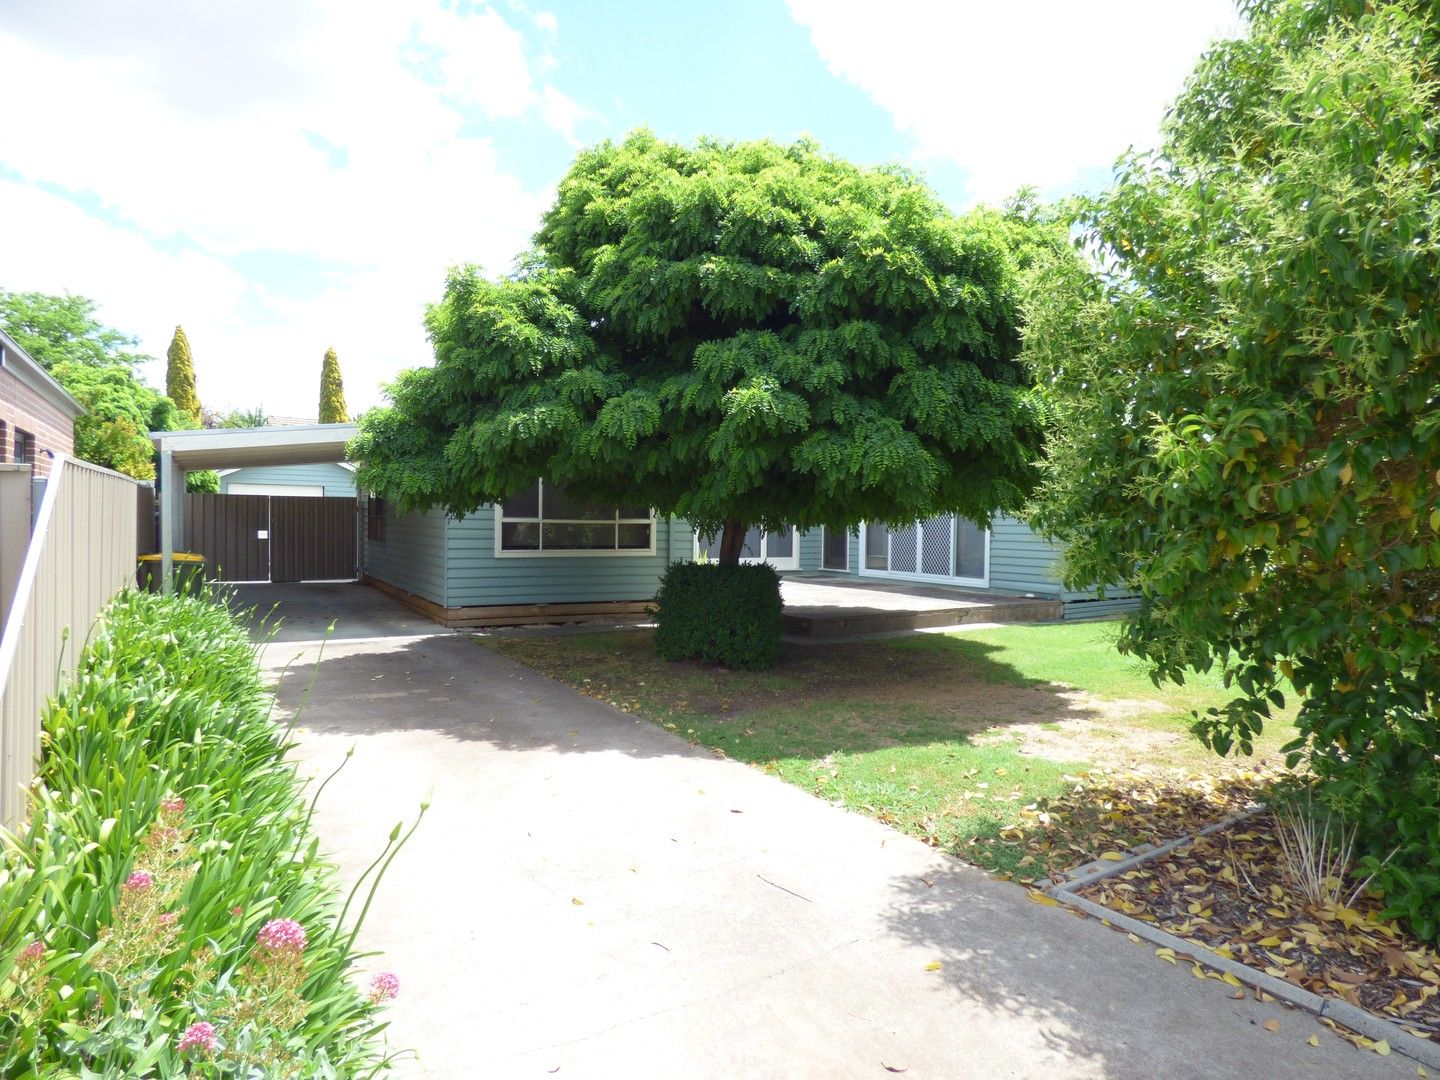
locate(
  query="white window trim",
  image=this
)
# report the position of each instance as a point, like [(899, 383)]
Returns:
[(792, 563), (926, 579), (849, 538), (571, 553)]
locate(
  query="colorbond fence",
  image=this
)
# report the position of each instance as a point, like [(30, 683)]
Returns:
[(81, 553)]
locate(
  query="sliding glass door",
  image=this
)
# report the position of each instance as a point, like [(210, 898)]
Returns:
[(948, 549)]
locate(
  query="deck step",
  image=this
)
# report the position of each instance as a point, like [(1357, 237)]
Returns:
[(854, 622)]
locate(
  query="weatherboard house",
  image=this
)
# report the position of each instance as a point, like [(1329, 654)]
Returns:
[(544, 555)]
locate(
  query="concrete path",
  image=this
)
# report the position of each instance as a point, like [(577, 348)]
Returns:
[(591, 897)]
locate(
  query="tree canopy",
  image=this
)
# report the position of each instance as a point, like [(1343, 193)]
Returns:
[(96, 365), (1247, 397), (120, 413), (180, 377), (332, 391), (741, 334), (63, 329)]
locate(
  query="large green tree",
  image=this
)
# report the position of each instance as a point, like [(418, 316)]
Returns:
[(180, 377), (120, 412), (96, 364), (63, 329), (332, 391), (740, 334), (1248, 417)]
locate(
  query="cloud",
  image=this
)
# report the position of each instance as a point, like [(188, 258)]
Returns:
[(1024, 92), (143, 168)]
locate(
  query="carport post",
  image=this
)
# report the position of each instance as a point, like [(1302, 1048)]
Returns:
[(170, 503)]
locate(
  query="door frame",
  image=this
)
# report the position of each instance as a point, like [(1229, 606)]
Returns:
[(927, 579)]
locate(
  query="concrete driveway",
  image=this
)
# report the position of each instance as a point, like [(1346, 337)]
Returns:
[(590, 896)]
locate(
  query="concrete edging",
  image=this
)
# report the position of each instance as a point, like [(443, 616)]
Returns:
[(1342, 1012)]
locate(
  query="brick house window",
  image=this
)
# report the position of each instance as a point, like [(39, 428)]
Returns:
[(4, 444), (24, 448)]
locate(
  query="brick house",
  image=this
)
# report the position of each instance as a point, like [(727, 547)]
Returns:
[(37, 416)]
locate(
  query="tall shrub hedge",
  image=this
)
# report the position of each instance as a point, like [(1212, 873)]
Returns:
[(726, 615), (165, 909)]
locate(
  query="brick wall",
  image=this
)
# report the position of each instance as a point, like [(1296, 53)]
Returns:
[(24, 410)]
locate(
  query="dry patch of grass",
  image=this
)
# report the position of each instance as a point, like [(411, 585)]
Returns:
[(953, 738)]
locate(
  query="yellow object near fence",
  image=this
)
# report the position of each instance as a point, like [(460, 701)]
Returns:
[(189, 569)]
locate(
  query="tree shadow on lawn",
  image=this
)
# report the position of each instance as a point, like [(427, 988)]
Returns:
[(815, 703), (854, 697)]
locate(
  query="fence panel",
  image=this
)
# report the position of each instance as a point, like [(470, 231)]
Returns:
[(232, 532), (312, 539), (81, 553)]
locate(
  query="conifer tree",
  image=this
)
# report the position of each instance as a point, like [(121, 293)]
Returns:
[(332, 391), (180, 376)]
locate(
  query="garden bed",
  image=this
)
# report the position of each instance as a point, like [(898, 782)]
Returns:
[(165, 911), (1227, 892)]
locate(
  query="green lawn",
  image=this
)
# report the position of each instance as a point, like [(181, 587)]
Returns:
[(946, 736)]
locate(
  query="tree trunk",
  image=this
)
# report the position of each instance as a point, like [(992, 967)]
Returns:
[(732, 542)]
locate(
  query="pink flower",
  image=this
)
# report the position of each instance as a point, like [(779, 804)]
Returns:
[(282, 936), (172, 806), (384, 987), (166, 918), (198, 1036), (237, 910), (139, 881), (32, 953)]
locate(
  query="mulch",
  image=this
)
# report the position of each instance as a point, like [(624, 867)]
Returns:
[(1229, 892)]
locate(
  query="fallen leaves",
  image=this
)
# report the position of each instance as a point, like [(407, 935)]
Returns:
[(1272, 1025), (1106, 813), (1035, 896), (934, 965), (1227, 892)]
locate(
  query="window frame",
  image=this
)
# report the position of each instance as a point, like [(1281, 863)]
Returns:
[(922, 578), (568, 553), (790, 562), (25, 450)]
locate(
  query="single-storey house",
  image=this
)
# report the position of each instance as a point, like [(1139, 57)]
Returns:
[(37, 415), (547, 554)]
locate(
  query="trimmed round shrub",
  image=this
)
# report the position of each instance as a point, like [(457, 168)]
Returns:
[(726, 615)]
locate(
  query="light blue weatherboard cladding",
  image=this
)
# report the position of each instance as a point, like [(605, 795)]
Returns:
[(337, 481), (476, 577), (412, 555)]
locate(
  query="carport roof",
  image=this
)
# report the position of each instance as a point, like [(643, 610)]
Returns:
[(234, 448)]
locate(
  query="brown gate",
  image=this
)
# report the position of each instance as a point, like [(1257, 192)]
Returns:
[(231, 531), (272, 538), (311, 539)]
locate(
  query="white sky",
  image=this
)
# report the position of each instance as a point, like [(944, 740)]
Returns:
[(177, 160)]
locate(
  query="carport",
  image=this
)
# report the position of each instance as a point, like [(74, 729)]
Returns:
[(234, 448)]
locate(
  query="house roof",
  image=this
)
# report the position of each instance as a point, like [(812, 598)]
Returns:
[(17, 361), (236, 448)]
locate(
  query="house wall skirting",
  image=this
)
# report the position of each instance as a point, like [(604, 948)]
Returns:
[(610, 611)]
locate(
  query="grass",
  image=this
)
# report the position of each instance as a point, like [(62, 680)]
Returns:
[(948, 737)]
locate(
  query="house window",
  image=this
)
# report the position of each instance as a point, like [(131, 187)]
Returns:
[(776, 548), (375, 519), (835, 550), (948, 548), (24, 448), (546, 519), (4, 445)]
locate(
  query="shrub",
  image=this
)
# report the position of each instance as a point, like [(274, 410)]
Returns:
[(167, 840), (720, 614)]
